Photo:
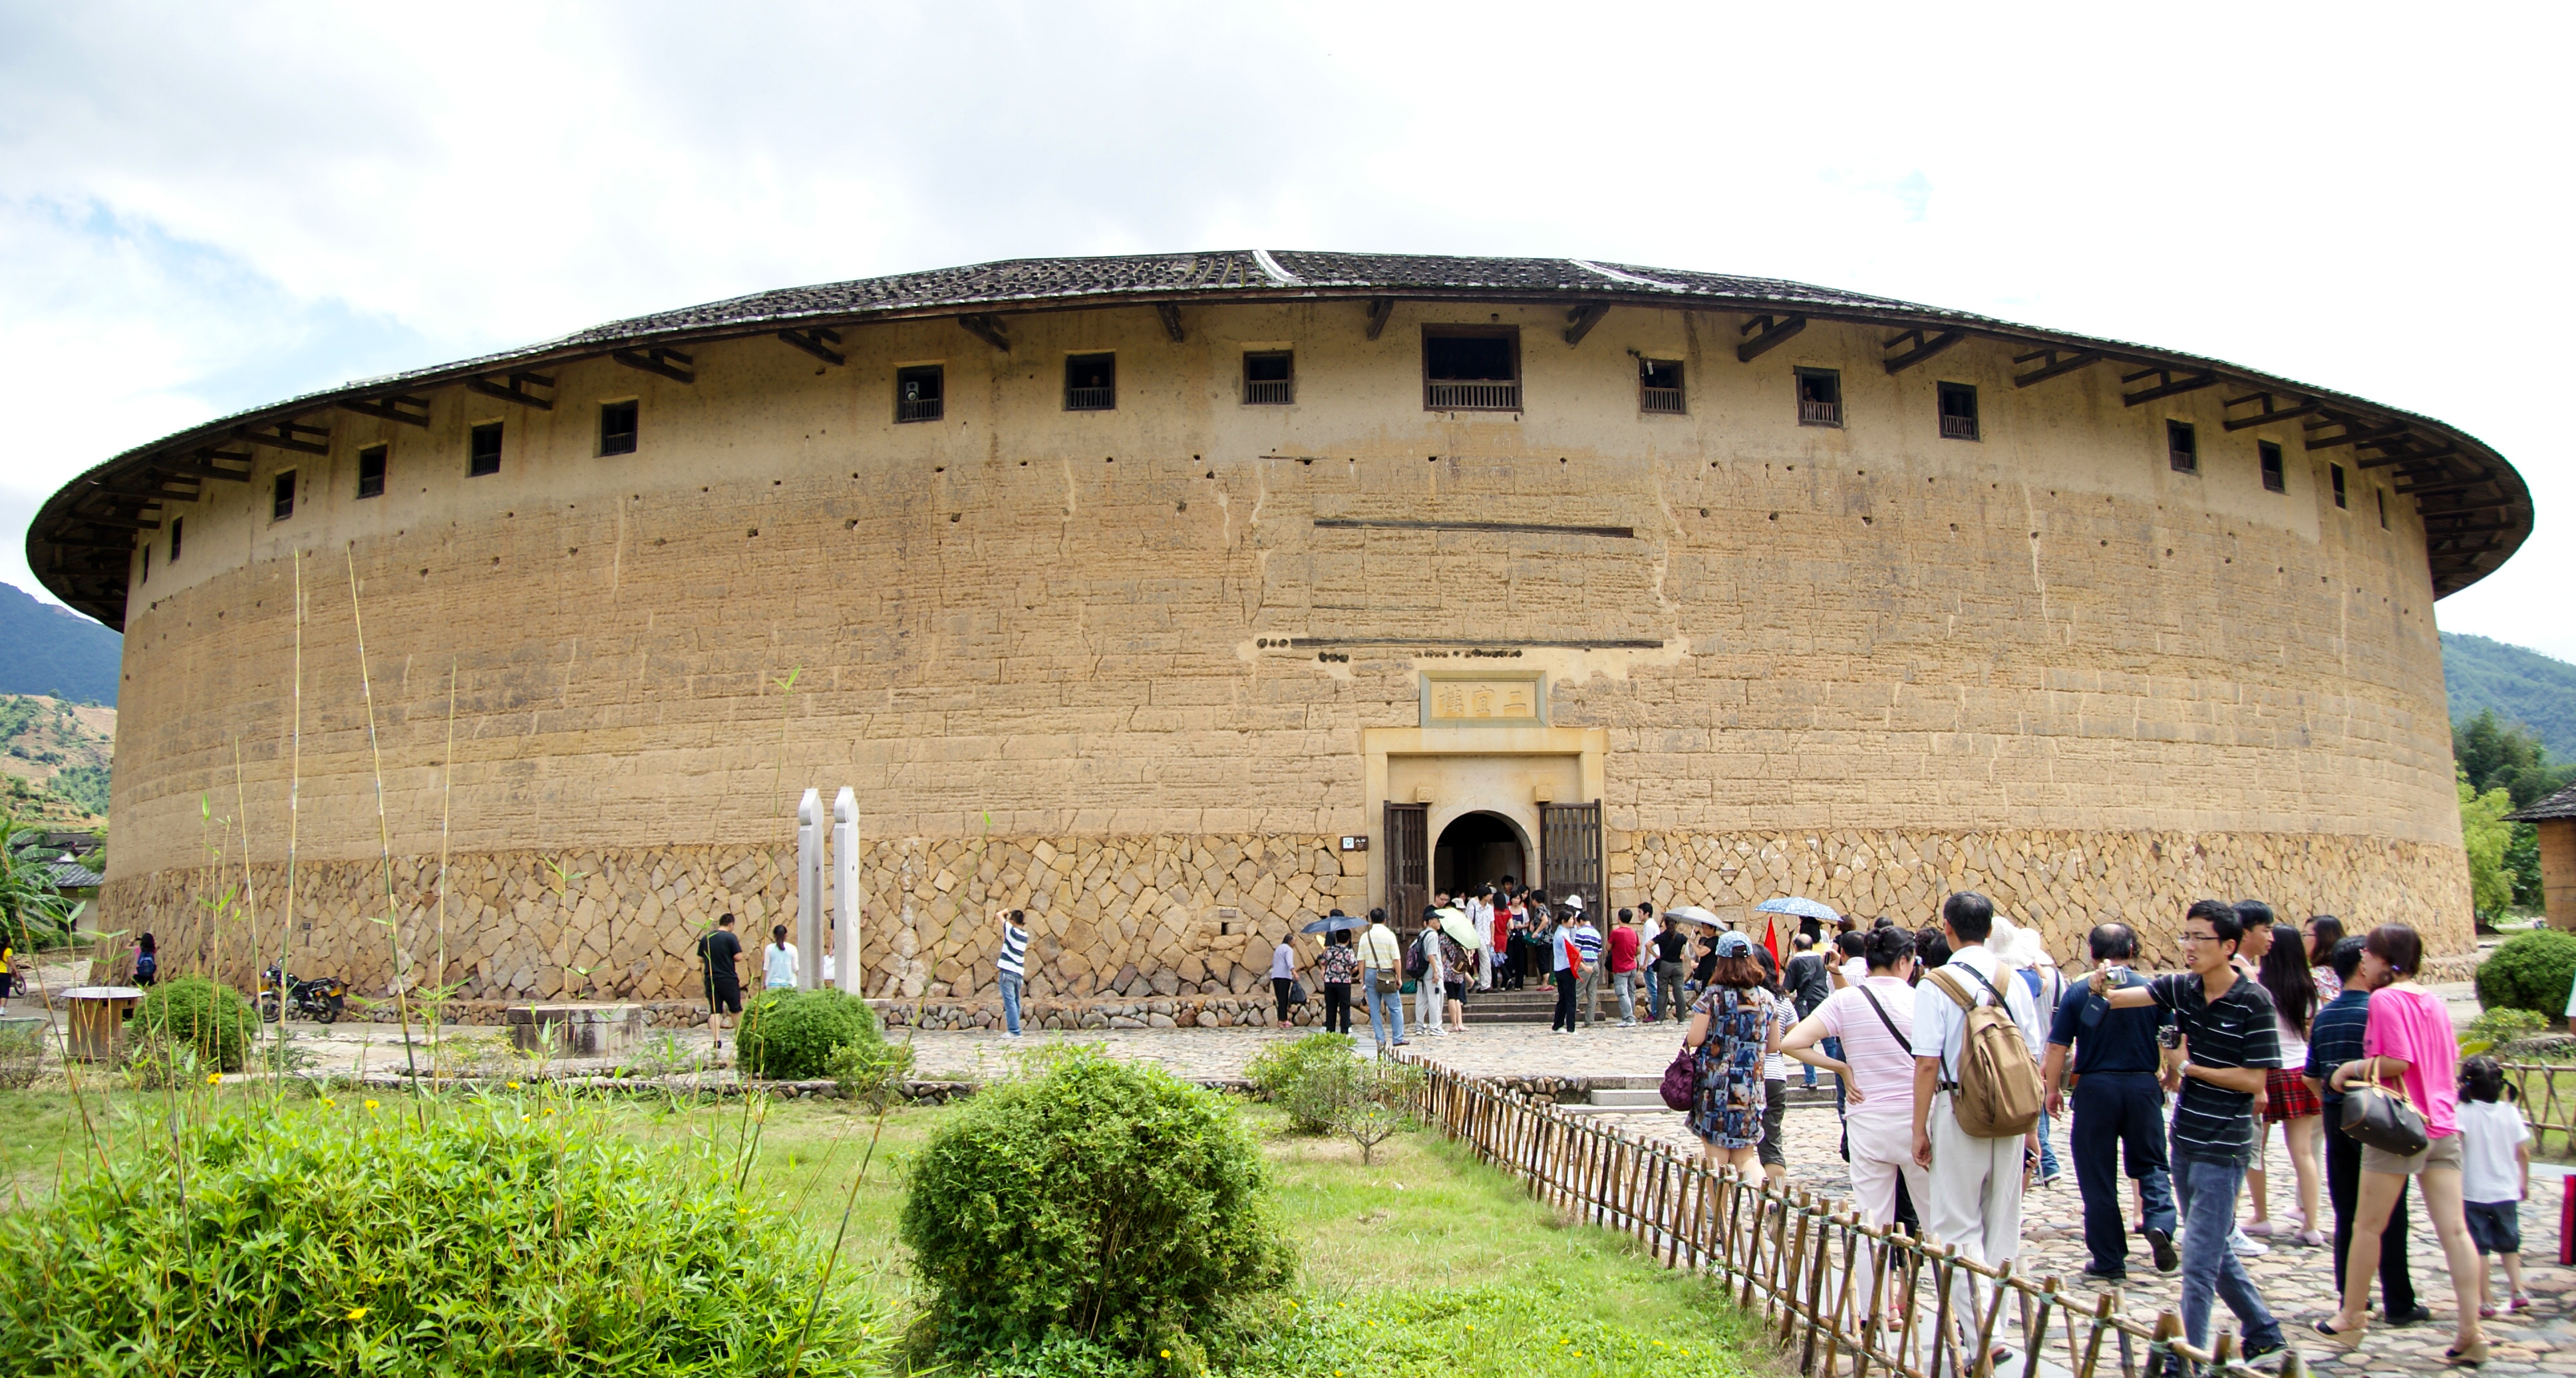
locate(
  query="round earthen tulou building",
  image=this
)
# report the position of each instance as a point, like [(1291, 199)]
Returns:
[(1181, 598)]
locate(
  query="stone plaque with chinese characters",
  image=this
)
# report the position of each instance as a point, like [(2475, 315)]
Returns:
[(1503, 702)]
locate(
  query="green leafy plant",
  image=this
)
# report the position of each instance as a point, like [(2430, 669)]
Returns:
[(790, 1035), (508, 1236), (22, 1055), (2532, 971), (211, 1020), (2485, 836), (1281, 1073), (1370, 1102), (871, 1071), (2497, 1027), (32, 914), (1106, 1201)]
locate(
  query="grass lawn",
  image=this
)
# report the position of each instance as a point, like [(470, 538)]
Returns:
[(1425, 1262)]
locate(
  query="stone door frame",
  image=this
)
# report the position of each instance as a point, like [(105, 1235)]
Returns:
[(1588, 746)]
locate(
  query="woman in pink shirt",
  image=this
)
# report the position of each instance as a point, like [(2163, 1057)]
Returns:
[(2408, 1044), (1874, 1018)]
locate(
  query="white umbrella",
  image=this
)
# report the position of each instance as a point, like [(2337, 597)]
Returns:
[(1691, 913), (1456, 926)]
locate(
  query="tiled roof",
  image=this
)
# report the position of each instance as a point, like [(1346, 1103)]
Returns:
[(2481, 516), (71, 875), (2559, 805)]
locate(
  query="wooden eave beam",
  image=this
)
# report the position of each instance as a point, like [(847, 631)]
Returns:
[(289, 437), (1923, 348), (517, 390), (2055, 367), (62, 543), (1775, 330), (2388, 457), (2452, 485), (817, 342), (2353, 434), (1379, 308), (117, 523), (1580, 320), (988, 329), (410, 411), (2167, 386), (2270, 415), (658, 361), (1171, 320)]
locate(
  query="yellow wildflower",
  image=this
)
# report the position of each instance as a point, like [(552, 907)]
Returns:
[(511, 1084), (356, 1313), (214, 1078), (1167, 1354), (371, 1105), (326, 1100)]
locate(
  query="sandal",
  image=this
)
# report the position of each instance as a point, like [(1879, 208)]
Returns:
[(2521, 1302), (2349, 1339), (2258, 1227), (2471, 1357)]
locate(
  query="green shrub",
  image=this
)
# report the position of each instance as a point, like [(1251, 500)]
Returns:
[(2530, 972), (1105, 1202), (871, 1071), (195, 1013), (22, 1056), (1371, 1102), (1281, 1072), (498, 1239), (790, 1035), (2498, 1027)]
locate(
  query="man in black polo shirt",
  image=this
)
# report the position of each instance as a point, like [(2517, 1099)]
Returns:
[(2232, 1037), (2118, 1106), (2334, 1038)]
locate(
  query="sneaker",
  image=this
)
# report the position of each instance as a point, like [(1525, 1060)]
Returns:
[(2408, 1318), (2264, 1356), (2168, 1259), (2521, 1302), (2114, 1276), (2248, 1248), (1627, 1023), (2486, 1313), (2050, 1179)]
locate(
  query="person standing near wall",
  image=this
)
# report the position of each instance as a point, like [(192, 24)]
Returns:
[(2287, 1099), (1425, 967), (1589, 947), (2334, 1038), (1808, 983), (1011, 968), (1733, 1033), (1672, 957), (1872, 1022), (1283, 976), (778, 960), (1624, 946), (2233, 1040), (719, 959), (1340, 969), (1382, 981)]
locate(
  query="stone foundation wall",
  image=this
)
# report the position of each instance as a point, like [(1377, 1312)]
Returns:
[(1163, 919)]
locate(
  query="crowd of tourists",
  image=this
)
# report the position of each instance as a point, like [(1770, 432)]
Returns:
[(1956, 1047)]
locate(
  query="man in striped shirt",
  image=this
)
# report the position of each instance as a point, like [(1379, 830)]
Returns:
[(1587, 946), (1013, 966)]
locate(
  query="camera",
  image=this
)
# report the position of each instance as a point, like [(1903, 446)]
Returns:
[(2170, 1036)]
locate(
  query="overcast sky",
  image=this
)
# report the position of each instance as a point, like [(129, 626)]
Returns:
[(207, 207)]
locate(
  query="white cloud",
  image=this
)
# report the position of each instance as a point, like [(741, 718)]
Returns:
[(205, 208)]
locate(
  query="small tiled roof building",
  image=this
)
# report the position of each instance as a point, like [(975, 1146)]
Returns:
[(2555, 819)]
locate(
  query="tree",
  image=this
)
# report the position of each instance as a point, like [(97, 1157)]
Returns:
[(2494, 755), (30, 907), (2485, 835)]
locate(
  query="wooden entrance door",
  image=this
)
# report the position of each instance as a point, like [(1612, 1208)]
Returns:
[(1408, 864), (1570, 857)]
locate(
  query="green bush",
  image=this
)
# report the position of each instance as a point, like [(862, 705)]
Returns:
[(22, 1056), (871, 1071), (498, 1238), (2530, 972), (194, 1013), (1285, 1075), (790, 1035), (2498, 1027), (1104, 1202)]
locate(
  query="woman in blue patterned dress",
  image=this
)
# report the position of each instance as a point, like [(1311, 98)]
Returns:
[(1733, 1029)]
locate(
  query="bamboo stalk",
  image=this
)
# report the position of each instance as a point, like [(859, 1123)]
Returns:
[(384, 833), (294, 816), (250, 896), (446, 795)]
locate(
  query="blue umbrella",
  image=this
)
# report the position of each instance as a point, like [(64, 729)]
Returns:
[(1805, 909), (1334, 923)]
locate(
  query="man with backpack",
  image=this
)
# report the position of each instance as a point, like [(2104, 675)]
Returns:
[(2232, 1039), (1977, 1094)]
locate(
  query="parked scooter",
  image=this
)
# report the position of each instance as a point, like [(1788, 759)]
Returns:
[(321, 999)]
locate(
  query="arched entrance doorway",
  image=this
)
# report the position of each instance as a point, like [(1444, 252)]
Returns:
[(1476, 849)]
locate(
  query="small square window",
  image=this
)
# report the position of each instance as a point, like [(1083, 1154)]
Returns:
[(174, 539), (1471, 368), (2274, 480), (2382, 495), (1820, 397), (483, 450), (281, 497), (1958, 411), (617, 428), (1659, 386), (2335, 471), (1091, 382), (1269, 378), (2182, 447), (917, 393), (371, 471)]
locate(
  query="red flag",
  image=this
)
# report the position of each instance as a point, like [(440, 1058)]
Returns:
[(1771, 939)]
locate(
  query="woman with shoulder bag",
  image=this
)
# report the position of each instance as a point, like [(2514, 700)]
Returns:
[(1733, 1032), (2408, 1046)]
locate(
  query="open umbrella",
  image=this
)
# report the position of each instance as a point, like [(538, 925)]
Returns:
[(1334, 923), (1691, 913), (1803, 908), (1456, 926)]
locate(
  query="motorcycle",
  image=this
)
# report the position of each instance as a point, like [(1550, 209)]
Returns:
[(320, 999)]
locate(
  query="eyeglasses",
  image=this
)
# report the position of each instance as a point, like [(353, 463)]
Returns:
[(2199, 937)]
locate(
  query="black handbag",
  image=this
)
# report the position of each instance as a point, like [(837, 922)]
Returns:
[(2379, 1118), (1297, 993)]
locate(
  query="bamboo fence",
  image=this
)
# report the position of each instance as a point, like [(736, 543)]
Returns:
[(2548, 1106), (1816, 1273)]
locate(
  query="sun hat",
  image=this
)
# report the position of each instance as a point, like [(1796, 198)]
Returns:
[(1734, 945)]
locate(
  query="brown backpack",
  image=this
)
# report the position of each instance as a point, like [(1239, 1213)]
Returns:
[(1998, 1095)]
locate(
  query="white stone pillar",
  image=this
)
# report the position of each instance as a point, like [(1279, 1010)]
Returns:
[(809, 890), (845, 890)]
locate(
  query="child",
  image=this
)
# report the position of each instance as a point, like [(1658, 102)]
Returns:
[(2495, 1176)]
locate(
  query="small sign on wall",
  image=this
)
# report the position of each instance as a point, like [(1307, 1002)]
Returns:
[(1355, 844)]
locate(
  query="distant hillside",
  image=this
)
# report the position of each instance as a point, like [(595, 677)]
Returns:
[(54, 759), (2521, 686), (55, 651)]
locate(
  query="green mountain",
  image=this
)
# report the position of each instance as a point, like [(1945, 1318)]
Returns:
[(55, 651), (2521, 686)]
